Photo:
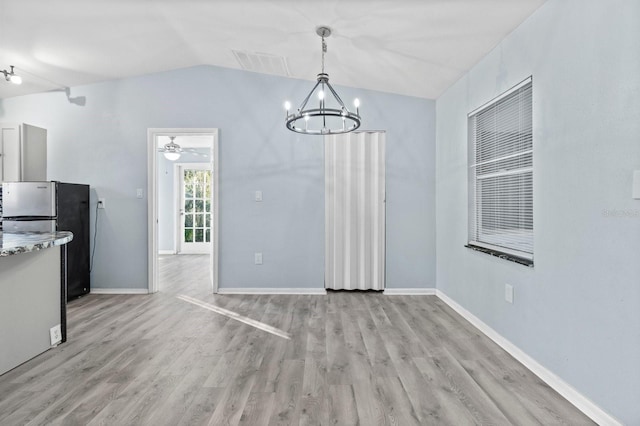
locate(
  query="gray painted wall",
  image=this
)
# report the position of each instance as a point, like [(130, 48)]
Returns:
[(104, 144), (166, 197), (577, 312)]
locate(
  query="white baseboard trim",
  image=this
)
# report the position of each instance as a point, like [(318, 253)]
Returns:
[(580, 401), (166, 252), (119, 291), (409, 291), (276, 290)]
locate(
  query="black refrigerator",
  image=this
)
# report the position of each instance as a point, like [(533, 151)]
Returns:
[(48, 207)]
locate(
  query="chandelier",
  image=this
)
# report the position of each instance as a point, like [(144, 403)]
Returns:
[(331, 116)]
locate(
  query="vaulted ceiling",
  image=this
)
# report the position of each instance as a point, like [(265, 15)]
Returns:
[(410, 47)]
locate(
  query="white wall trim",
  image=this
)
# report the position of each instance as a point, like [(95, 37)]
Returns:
[(409, 291), (580, 401), (119, 290), (275, 290), (166, 252)]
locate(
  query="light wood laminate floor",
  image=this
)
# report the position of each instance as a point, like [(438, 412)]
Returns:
[(351, 358)]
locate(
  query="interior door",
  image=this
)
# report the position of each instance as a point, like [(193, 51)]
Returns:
[(195, 209), (355, 211)]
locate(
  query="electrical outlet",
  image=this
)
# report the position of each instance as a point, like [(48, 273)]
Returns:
[(139, 193), (55, 333), (258, 196), (258, 258), (101, 203), (508, 293)]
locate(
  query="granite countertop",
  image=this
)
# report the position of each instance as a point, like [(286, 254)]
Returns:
[(24, 242)]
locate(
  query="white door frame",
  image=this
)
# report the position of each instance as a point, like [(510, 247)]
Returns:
[(152, 200), (178, 203)]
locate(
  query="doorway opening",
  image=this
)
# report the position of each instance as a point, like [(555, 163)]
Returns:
[(183, 211)]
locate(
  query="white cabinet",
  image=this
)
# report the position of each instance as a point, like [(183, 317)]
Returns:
[(23, 153)]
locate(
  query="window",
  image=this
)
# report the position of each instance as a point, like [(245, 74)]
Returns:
[(501, 175)]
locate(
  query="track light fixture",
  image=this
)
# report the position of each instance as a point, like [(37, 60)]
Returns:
[(11, 76)]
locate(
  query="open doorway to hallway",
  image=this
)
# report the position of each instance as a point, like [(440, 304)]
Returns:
[(183, 211)]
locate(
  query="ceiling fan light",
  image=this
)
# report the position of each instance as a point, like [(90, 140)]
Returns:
[(172, 150), (171, 155)]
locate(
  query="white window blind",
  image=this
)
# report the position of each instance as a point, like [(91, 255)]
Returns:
[(501, 174)]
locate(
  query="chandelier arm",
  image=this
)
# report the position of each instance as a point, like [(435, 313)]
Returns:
[(304, 103), (335, 95), (322, 109)]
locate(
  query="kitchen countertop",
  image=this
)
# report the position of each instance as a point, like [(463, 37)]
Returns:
[(12, 243)]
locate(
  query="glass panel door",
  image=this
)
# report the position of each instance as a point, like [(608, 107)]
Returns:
[(195, 232)]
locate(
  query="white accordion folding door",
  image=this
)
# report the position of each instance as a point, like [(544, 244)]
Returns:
[(355, 211)]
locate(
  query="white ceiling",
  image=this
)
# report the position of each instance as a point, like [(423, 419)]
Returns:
[(411, 47)]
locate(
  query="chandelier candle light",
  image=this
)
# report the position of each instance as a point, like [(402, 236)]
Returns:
[(331, 116)]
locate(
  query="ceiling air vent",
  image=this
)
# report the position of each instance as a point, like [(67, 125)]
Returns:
[(262, 62)]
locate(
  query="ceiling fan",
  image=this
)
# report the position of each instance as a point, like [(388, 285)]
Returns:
[(172, 151)]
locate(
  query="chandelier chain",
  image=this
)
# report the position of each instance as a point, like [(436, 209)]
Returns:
[(324, 50)]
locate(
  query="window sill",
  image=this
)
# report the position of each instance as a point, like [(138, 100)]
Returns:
[(501, 255)]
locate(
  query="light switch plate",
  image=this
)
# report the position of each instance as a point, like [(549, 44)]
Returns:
[(139, 193), (508, 293), (258, 258), (636, 185), (258, 196)]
